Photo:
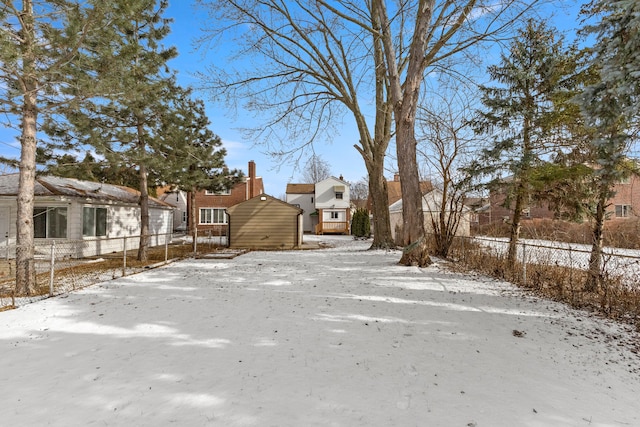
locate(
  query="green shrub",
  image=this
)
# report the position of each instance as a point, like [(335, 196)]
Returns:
[(360, 223)]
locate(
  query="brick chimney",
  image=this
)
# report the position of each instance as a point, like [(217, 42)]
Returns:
[(252, 178)]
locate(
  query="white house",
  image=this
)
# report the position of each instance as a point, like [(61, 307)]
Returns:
[(326, 205), (431, 202), (177, 199), (97, 215)]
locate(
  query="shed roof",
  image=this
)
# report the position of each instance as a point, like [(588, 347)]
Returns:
[(70, 187), (301, 188)]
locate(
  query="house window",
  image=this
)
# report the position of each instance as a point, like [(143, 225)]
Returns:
[(94, 221), (623, 211), (50, 222), (223, 192), (184, 217), (339, 195), (213, 216), (335, 215)]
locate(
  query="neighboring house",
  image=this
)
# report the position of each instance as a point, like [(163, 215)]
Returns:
[(431, 203), (177, 199), (477, 205), (211, 207), (264, 222), (624, 204), (67, 209), (394, 189), (303, 197), (326, 205)]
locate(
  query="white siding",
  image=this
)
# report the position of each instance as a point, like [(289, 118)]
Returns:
[(306, 203), (326, 195), (430, 208)]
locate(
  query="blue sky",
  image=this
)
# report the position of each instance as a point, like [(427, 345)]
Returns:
[(340, 154)]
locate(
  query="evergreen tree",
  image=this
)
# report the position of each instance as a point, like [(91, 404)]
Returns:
[(360, 223), (89, 169), (124, 125), (520, 116), (610, 107), (192, 153), (43, 43)]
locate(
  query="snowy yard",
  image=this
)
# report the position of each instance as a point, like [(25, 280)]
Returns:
[(333, 337)]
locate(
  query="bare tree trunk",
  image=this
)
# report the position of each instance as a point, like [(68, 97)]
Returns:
[(514, 232), (192, 217), (413, 233), (379, 195), (25, 267), (594, 280), (404, 96), (143, 248)]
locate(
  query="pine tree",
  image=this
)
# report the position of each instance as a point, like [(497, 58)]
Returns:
[(610, 107), (124, 125), (361, 224), (192, 153), (42, 45), (519, 116)]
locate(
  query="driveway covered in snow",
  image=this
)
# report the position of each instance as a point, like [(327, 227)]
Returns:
[(331, 337)]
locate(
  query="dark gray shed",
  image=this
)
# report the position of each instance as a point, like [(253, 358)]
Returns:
[(265, 222)]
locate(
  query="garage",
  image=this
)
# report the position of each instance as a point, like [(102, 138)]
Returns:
[(264, 222)]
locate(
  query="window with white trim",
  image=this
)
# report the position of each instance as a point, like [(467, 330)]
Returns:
[(50, 222), (223, 192), (94, 222), (213, 216), (623, 211), (335, 215)]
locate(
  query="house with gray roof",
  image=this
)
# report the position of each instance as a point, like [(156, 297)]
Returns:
[(98, 215)]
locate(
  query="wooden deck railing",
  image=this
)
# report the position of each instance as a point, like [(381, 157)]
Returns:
[(332, 227)]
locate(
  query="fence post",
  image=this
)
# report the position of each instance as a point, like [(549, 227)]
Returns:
[(52, 267), (124, 257), (524, 263), (166, 247)]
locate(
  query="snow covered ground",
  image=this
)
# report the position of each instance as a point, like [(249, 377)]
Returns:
[(332, 337)]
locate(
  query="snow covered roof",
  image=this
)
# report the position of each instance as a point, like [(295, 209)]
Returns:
[(71, 187)]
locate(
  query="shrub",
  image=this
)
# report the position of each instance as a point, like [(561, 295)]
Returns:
[(360, 223)]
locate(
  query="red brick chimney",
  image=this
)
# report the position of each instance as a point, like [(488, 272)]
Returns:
[(252, 178)]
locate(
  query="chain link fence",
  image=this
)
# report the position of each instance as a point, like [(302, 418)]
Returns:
[(619, 264), (62, 266), (560, 271)]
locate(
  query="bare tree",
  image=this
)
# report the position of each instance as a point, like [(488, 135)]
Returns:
[(418, 36), (359, 192), (314, 59), (315, 170), (445, 141)]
